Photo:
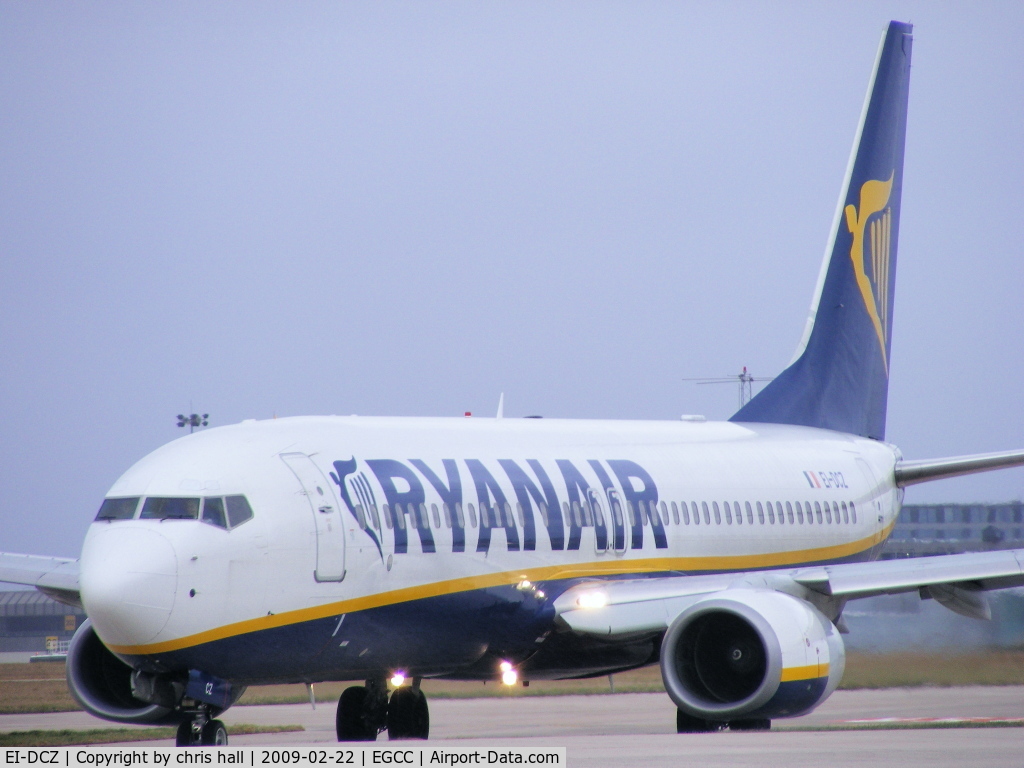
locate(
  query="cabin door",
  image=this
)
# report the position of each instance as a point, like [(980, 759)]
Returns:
[(330, 533)]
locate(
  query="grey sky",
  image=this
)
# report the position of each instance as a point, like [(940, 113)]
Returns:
[(406, 209)]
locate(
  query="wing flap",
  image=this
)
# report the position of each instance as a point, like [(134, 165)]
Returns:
[(978, 570)]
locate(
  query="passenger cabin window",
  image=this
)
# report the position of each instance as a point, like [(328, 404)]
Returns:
[(853, 512), (118, 509), (213, 512), (170, 508)]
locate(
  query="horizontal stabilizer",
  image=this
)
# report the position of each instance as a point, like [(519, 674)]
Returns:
[(911, 472)]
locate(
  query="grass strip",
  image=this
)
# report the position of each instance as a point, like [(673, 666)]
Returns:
[(114, 735)]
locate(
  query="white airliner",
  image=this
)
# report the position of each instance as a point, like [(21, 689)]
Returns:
[(329, 548)]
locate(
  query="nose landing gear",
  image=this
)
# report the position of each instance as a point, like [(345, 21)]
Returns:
[(200, 731), (365, 711)]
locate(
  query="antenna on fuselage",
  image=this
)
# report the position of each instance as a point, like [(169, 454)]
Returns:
[(745, 381)]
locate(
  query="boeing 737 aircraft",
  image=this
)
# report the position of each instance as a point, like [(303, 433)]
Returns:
[(362, 549)]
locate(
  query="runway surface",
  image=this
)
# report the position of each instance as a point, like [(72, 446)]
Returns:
[(638, 729)]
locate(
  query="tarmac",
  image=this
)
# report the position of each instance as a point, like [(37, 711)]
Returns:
[(639, 729)]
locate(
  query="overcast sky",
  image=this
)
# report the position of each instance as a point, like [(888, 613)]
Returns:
[(408, 208)]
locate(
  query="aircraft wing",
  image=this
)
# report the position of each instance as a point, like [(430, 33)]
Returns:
[(55, 576), (645, 605)]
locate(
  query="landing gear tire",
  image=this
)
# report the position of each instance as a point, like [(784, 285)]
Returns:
[(687, 723), (214, 734), (350, 721), (408, 715), (752, 724), (183, 738)]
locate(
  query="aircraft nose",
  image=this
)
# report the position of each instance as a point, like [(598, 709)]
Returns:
[(128, 579)]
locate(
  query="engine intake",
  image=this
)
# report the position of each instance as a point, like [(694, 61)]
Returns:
[(102, 683), (746, 653)]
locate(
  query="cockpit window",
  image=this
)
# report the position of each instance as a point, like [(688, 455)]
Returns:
[(170, 508), (213, 512), (238, 510), (118, 509)]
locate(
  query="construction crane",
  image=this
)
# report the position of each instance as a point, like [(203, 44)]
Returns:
[(745, 381)]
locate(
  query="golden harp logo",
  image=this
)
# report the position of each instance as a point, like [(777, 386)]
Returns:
[(864, 223)]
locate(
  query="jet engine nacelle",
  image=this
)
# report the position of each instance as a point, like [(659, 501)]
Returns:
[(748, 653), (102, 683)]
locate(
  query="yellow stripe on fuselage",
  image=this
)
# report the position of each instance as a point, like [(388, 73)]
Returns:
[(506, 578), (810, 672)]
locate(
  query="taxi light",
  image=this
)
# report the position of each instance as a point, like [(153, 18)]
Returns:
[(595, 599), (397, 679), (509, 677), (505, 666)]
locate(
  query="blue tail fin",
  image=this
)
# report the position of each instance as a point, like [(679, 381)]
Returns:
[(839, 378)]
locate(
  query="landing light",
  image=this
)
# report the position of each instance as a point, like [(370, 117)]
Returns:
[(595, 599), (397, 679), (505, 666), (509, 677)]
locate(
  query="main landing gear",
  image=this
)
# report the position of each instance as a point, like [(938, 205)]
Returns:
[(200, 731), (687, 723), (365, 711)]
